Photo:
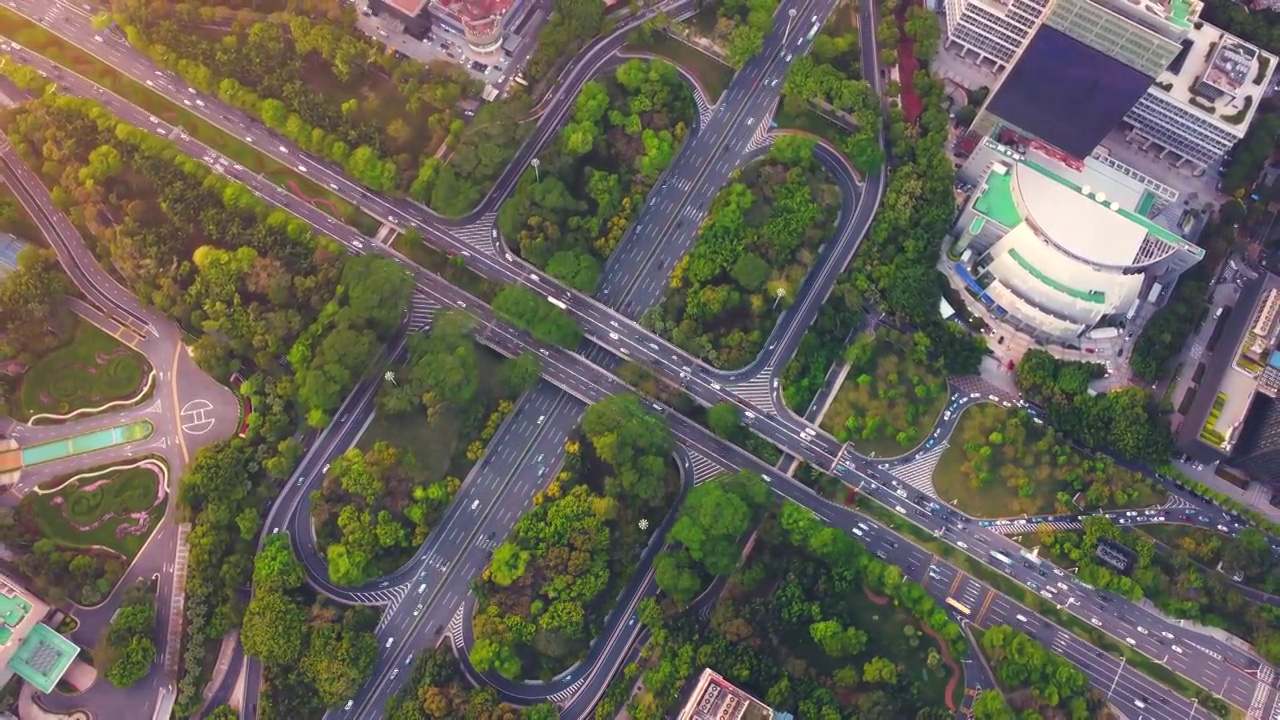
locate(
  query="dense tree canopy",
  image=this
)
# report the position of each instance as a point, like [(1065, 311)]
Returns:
[(553, 580), (128, 649), (569, 214), (326, 86), (1123, 421), (792, 626), (751, 256)]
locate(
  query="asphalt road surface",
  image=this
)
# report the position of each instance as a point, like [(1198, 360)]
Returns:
[(580, 378)]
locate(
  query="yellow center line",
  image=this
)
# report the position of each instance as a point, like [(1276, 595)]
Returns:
[(991, 595), (954, 583)]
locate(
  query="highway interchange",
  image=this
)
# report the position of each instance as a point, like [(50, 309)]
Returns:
[(449, 559)]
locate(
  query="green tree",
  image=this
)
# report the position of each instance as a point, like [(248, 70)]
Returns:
[(547, 323), (133, 662), (677, 576), (723, 419), (991, 705), (880, 670), (276, 568), (274, 628)]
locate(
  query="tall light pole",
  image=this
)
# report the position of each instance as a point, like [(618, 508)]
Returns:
[(535, 163), (786, 32), (777, 296)]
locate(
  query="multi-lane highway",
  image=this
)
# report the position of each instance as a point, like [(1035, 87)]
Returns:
[(590, 382)]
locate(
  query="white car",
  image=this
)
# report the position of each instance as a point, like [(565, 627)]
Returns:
[(1096, 622), (248, 139), (962, 545)]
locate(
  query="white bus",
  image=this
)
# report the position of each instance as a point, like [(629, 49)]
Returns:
[(558, 303), (1001, 557)]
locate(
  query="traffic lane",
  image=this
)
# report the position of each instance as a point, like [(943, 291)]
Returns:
[(446, 571), (1021, 574), (122, 56), (686, 187), (988, 607), (620, 626), (119, 103)]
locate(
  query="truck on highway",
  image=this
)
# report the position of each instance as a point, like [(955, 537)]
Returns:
[(1001, 557), (557, 302), (813, 32)]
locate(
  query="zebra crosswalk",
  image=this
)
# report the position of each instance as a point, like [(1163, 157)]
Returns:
[(389, 599), (482, 234), (566, 694), (919, 472), (1028, 528), (421, 312), (1262, 693), (758, 390), (703, 467)]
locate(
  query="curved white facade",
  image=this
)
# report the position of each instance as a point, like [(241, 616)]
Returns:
[(1058, 257)]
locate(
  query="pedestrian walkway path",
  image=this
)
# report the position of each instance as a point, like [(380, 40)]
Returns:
[(758, 390), (919, 472), (421, 312), (704, 468), (482, 234), (1027, 528)]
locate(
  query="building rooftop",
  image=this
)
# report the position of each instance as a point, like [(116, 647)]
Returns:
[(10, 246), (1066, 93), (1220, 76), (43, 658), (1091, 214), (715, 698), (410, 8)]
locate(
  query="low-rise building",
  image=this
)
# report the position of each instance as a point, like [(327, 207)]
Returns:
[(28, 647), (714, 698)]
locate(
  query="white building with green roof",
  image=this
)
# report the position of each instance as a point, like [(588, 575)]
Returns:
[(1064, 254)]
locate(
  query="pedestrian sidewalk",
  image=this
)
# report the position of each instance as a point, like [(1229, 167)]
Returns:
[(1258, 496)]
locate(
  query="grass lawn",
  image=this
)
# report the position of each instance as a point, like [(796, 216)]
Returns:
[(888, 402), (1021, 450), (711, 73), (44, 42), (116, 509), (811, 121), (92, 369), (14, 219), (439, 448), (886, 637)]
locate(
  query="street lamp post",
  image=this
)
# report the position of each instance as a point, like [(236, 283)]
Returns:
[(786, 32), (535, 163), (778, 295)]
